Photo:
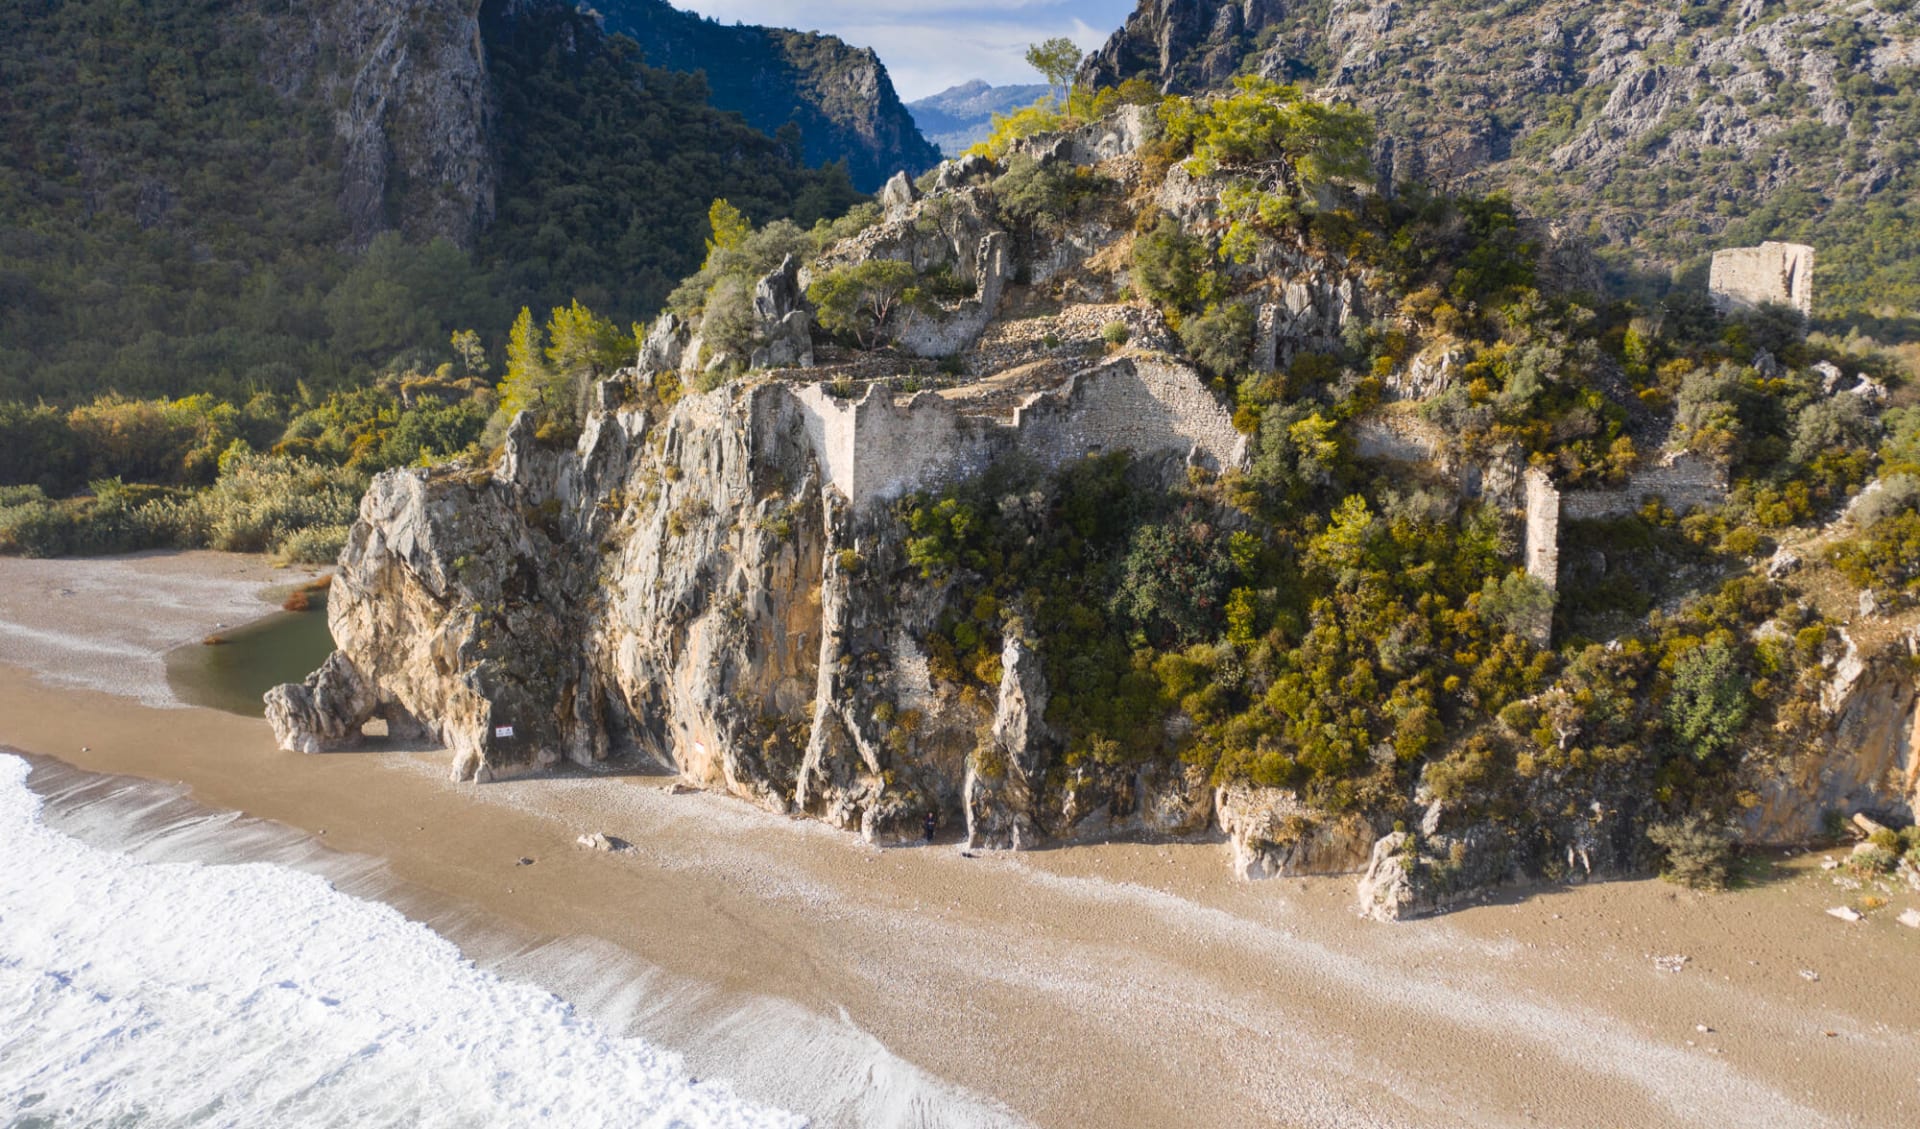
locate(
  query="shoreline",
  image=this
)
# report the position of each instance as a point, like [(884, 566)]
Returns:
[(1123, 983)]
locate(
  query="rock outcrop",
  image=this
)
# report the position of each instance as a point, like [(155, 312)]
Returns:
[(754, 586), (1585, 100), (1866, 757), (1274, 835), (413, 111)]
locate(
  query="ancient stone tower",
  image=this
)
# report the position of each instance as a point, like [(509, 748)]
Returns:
[(1745, 278)]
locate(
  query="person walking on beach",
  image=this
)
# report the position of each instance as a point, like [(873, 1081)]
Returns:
[(932, 822)]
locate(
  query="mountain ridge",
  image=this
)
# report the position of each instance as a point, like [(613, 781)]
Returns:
[(960, 116), (1662, 133), (839, 97)]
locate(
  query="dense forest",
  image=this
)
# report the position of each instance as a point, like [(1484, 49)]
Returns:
[(172, 223), (195, 348), (834, 101)]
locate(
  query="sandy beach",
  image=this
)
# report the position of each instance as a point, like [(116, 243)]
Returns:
[(1132, 984)]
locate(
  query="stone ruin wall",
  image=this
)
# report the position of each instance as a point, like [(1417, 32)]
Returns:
[(1141, 405), (1744, 278), (1398, 437), (1544, 508), (1683, 482), (881, 448)]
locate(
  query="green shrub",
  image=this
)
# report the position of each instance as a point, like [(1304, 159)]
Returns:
[(1172, 268), (1262, 120), (1698, 852), (1871, 861), (1045, 197), (862, 300), (1221, 338), (320, 545)]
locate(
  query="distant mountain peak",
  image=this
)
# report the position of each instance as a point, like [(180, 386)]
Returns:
[(959, 116)]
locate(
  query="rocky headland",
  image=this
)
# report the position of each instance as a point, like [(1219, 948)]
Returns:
[(730, 584)]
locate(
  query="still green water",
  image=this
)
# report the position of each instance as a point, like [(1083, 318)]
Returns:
[(234, 676)]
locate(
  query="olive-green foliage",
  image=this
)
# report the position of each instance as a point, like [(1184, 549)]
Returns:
[(1171, 267), (1262, 120), (1045, 197), (863, 300), (424, 420), (1698, 852), (1176, 579), (550, 372), (1056, 59), (118, 474), (259, 503), (1220, 338), (1710, 700), (1885, 555), (730, 230), (1515, 602), (1044, 116), (1050, 115), (262, 502)]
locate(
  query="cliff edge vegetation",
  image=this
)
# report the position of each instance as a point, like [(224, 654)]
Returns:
[(1152, 472), (1658, 132)]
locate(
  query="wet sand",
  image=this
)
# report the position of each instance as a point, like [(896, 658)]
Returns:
[(1124, 984)]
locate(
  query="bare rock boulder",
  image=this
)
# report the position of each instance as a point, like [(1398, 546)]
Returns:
[(326, 712), (1273, 834)]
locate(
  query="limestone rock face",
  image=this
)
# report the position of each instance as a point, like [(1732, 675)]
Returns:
[(1273, 834), (1867, 759), (1003, 780), (957, 232), (1411, 876), (325, 713), (786, 327), (413, 111), (898, 192)]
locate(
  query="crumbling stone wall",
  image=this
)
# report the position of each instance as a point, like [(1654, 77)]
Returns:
[(879, 448), (1137, 404), (1543, 546), (1770, 274), (1683, 481), (1544, 506)]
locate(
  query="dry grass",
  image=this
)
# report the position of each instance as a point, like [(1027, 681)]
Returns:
[(303, 597)]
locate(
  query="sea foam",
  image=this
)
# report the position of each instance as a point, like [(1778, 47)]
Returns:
[(169, 993)]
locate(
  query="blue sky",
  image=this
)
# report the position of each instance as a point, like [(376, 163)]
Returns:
[(929, 45)]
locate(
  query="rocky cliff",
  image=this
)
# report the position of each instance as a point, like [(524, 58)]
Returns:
[(1010, 554), (1663, 130), (412, 108), (838, 97)]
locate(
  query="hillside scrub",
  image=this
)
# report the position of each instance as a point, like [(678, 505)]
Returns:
[(175, 227)]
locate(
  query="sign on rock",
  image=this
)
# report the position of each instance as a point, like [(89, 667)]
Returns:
[(503, 731)]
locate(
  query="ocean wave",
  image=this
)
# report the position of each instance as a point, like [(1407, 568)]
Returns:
[(169, 993)]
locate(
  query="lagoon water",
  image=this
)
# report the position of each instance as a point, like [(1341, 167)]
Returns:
[(140, 990), (234, 675)]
